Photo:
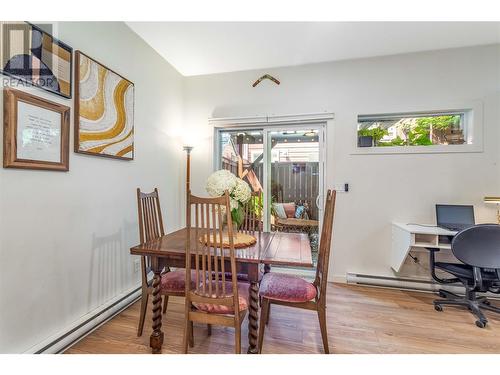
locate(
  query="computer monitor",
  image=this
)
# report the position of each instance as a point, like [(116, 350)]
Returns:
[(454, 217)]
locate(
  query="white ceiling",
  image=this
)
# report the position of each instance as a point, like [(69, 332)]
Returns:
[(195, 48)]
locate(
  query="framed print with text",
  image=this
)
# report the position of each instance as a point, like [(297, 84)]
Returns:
[(36, 132)]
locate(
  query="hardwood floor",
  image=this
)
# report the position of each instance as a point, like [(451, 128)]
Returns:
[(360, 320)]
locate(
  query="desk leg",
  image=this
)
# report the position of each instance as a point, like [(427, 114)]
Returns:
[(156, 339), (253, 317)]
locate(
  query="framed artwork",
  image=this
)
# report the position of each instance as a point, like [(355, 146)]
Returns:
[(31, 55), (36, 132), (104, 110)]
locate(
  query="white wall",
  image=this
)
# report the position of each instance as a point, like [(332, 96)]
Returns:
[(384, 188), (65, 236)]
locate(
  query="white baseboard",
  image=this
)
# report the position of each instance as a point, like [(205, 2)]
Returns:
[(73, 333), (405, 283)]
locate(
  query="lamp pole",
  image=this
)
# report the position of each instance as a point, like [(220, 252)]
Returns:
[(188, 150)]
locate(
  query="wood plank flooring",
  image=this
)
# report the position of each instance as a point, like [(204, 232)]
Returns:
[(360, 320)]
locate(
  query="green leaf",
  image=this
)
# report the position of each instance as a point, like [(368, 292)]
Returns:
[(237, 215)]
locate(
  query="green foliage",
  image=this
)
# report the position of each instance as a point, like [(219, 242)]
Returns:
[(237, 215), (377, 133), (439, 122), (417, 133), (398, 141), (365, 133), (257, 204)]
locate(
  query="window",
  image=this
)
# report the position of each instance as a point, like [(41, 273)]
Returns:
[(413, 129)]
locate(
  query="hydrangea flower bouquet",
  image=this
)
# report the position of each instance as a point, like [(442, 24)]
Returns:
[(239, 192)]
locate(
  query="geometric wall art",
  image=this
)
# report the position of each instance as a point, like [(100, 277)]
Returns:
[(34, 57), (104, 110)]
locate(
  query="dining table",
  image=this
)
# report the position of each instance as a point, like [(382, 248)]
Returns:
[(270, 249)]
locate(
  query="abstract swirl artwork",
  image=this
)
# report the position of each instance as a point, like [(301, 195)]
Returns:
[(104, 110)]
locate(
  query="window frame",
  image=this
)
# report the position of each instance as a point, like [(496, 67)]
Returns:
[(472, 127)]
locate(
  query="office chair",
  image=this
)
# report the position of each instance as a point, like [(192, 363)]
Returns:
[(478, 248)]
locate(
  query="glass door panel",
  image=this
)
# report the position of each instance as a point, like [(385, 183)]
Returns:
[(294, 182), (242, 153)]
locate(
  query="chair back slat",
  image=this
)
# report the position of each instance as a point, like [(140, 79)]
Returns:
[(324, 247), (150, 223), (252, 214), (206, 233)]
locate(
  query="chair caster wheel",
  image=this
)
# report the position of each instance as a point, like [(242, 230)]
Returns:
[(486, 302), (480, 323), (438, 308)]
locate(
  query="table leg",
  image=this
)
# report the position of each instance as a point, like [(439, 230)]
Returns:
[(253, 318), (156, 339)]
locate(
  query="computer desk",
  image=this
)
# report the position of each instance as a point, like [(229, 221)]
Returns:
[(406, 237)]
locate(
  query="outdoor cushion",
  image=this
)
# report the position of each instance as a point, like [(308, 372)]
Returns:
[(287, 288), (299, 212), (280, 211), (175, 281), (289, 209), (221, 309)]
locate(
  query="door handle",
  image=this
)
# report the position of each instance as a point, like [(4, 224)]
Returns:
[(318, 201)]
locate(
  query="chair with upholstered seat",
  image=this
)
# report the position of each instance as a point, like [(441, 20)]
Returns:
[(210, 254), (293, 291), (151, 227)]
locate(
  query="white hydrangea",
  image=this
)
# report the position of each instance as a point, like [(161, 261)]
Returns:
[(241, 192), (220, 181)]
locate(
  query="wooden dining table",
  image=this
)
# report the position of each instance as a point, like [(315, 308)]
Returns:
[(271, 249)]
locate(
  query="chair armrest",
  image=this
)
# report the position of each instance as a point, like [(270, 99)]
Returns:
[(432, 264)]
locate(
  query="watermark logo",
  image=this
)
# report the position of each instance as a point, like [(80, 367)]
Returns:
[(25, 58)]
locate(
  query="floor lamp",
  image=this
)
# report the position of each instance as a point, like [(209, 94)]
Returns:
[(188, 150)]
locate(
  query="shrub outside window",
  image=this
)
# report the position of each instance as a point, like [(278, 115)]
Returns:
[(412, 129)]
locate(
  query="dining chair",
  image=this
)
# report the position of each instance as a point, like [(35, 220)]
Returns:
[(293, 291), (210, 250), (150, 228), (252, 214)]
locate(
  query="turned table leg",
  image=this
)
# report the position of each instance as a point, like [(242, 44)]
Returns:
[(156, 339), (253, 318)]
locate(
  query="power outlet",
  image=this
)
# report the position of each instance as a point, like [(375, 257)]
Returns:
[(137, 265)]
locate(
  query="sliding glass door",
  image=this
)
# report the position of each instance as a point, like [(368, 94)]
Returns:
[(286, 163)]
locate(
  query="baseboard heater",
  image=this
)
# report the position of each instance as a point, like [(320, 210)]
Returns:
[(405, 283), (87, 324), (392, 282)]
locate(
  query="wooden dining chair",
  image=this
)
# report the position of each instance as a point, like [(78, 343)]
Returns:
[(293, 291), (252, 214), (151, 227), (212, 299)]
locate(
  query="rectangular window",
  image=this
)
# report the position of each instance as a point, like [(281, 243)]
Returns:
[(413, 129)]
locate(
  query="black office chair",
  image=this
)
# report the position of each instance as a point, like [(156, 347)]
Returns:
[(478, 248)]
